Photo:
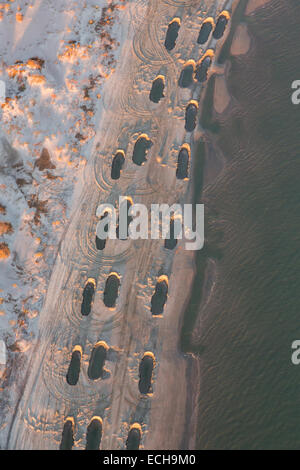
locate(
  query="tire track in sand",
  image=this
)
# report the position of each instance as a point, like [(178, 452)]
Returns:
[(47, 399)]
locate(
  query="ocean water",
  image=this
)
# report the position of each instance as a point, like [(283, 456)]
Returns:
[(249, 395)]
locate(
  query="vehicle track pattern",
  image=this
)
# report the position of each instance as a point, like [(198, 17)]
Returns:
[(128, 327)]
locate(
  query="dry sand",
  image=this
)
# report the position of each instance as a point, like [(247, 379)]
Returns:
[(221, 94), (241, 41), (129, 329)]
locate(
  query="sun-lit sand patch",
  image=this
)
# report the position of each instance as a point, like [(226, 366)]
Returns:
[(35, 63), (4, 251), (15, 70), (74, 52), (241, 41), (22, 345), (221, 94), (5, 6), (56, 223), (19, 17), (36, 79), (254, 4), (5, 228)]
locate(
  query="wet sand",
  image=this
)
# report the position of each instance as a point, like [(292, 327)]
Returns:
[(240, 329), (255, 4)]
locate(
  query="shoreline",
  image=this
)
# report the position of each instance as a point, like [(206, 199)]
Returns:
[(245, 332), (211, 169), (214, 163)]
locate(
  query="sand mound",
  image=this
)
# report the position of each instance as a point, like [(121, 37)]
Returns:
[(44, 162)]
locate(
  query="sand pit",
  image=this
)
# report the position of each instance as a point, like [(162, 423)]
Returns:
[(221, 95), (241, 41)]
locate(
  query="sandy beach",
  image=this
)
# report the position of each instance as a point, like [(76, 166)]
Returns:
[(129, 329)]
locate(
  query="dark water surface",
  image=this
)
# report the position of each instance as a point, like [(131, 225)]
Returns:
[(250, 391)]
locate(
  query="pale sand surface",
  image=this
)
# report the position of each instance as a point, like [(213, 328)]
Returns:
[(221, 94), (241, 41)]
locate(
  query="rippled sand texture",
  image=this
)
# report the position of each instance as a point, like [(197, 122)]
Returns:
[(129, 329)]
